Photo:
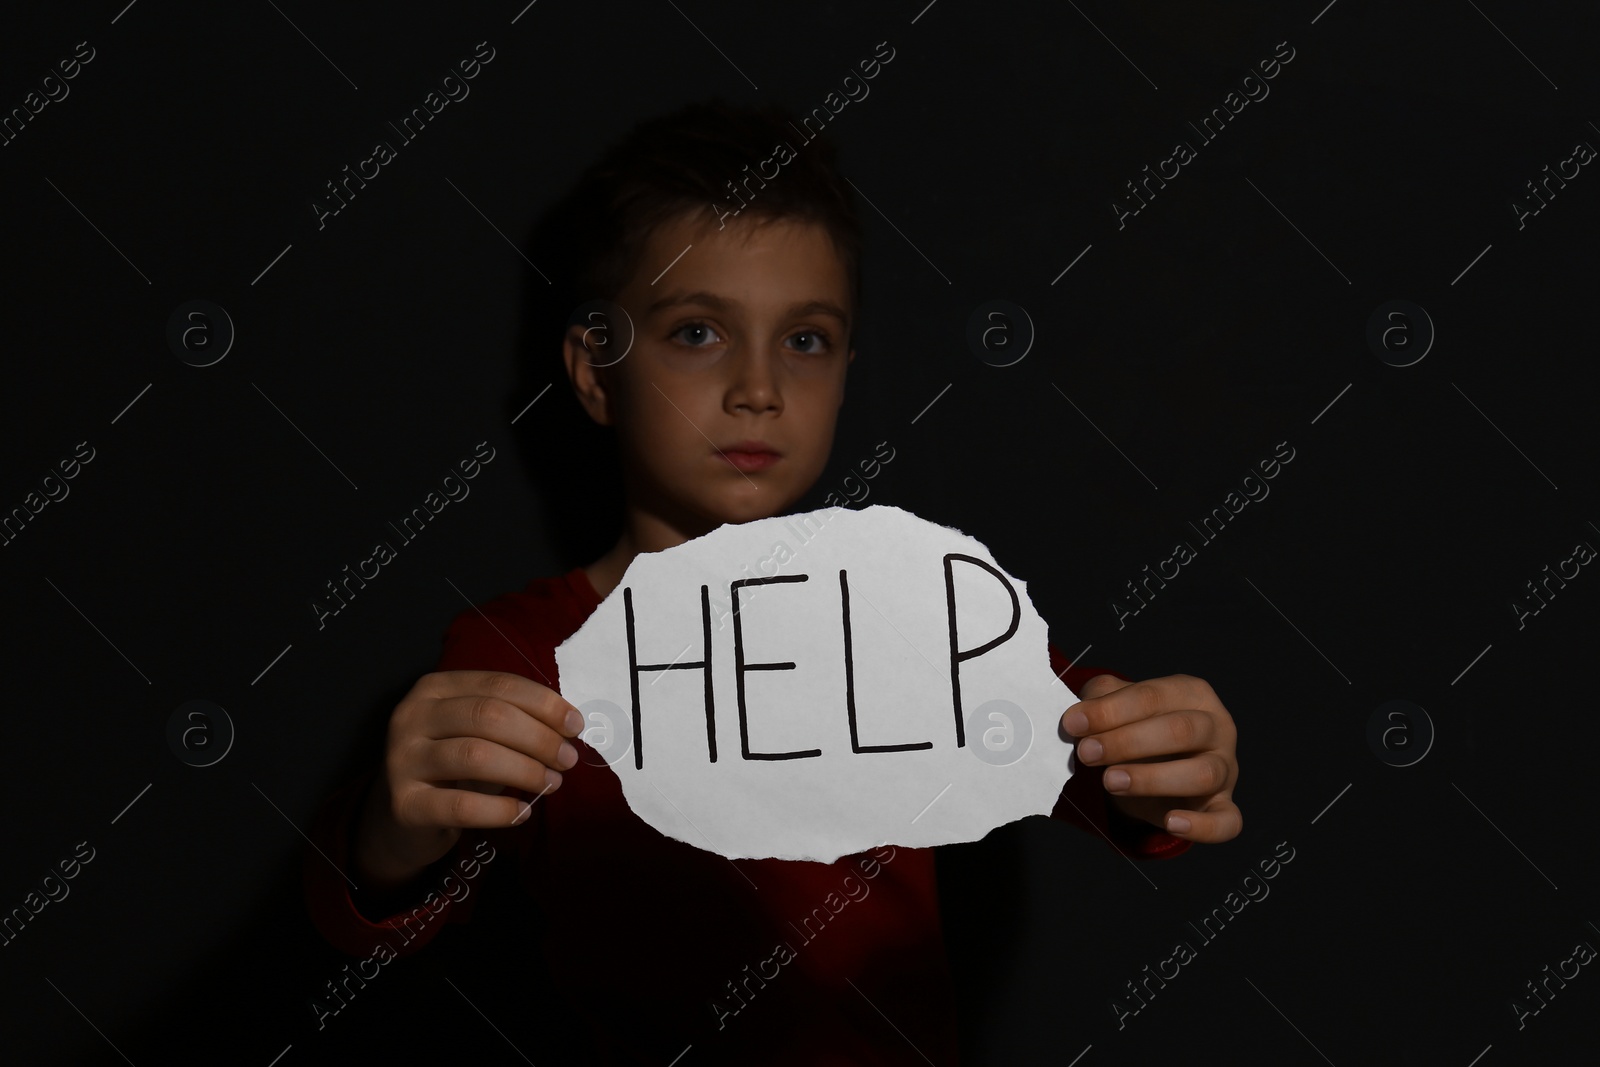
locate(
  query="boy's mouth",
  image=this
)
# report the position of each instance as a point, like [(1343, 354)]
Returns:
[(750, 455)]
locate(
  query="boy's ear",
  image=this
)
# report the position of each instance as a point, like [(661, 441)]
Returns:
[(586, 376)]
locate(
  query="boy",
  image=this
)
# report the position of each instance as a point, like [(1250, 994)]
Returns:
[(724, 409)]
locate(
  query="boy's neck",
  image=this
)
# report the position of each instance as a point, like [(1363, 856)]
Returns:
[(606, 572), (641, 533)]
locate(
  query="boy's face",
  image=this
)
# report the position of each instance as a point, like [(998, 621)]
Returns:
[(745, 338)]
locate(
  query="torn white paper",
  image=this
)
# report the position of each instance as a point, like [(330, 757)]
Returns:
[(810, 686)]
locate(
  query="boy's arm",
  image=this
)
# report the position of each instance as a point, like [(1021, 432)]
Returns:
[(357, 921), (1084, 801), (408, 917)]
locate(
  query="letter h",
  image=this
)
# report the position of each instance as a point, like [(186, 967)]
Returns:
[(635, 668)]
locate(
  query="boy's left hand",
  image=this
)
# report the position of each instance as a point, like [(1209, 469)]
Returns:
[(1168, 748)]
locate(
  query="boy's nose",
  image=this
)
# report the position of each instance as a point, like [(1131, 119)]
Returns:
[(753, 382)]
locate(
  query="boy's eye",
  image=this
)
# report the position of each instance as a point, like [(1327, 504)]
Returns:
[(697, 333), (817, 342)]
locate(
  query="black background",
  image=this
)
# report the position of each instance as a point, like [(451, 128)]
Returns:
[(1227, 316)]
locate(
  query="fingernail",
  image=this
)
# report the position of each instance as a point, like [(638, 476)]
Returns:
[(1090, 750), (566, 755), (1177, 824), (552, 780), (574, 721), (1117, 779), (1077, 723), (522, 816)]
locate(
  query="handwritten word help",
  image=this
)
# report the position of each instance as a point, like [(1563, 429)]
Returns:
[(893, 688)]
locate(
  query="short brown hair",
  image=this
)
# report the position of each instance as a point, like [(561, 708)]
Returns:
[(686, 161)]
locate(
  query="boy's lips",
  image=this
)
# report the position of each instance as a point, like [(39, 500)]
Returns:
[(750, 455)]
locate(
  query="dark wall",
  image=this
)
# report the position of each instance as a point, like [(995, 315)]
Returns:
[(1172, 351)]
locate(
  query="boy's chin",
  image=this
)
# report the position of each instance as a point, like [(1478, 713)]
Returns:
[(763, 506)]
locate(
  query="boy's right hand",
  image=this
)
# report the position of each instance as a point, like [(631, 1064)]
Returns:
[(456, 740)]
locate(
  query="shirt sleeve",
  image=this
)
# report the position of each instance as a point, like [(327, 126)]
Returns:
[(358, 921), (1085, 803)]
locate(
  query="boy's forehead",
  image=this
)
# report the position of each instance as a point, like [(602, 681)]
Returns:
[(748, 263)]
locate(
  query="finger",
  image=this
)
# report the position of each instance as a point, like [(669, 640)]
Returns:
[(1220, 823), (1203, 775), (505, 724), (1140, 700), (1073, 721), (474, 758), (1166, 734), (426, 805), (539, 701), (1100, 685)]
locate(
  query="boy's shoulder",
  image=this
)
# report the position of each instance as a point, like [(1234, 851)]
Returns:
[(552, 602), (518, 630)]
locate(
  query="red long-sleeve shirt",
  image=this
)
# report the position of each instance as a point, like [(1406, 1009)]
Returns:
[(656, 945)]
